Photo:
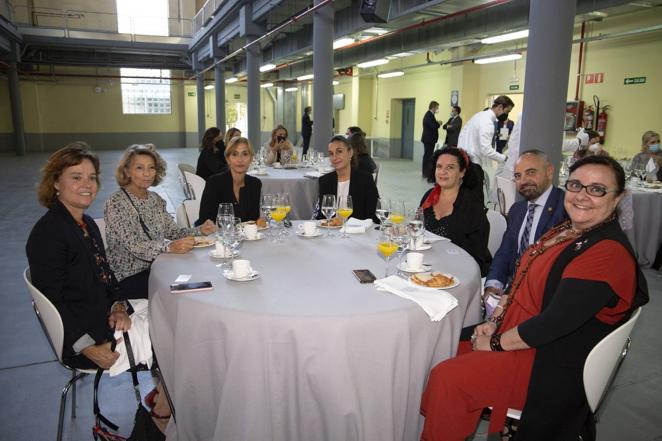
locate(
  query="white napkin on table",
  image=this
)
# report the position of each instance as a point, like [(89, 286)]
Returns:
[(436, 303), (431, 237), (140, 341), (651, 166), (357, 226), (312, 174)]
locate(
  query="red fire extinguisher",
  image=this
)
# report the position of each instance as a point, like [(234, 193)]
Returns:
[(588, 118), (601, 126)]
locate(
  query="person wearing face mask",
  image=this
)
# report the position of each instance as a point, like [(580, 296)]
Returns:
[(453, 127), (503, 129), (430, 136), (212, 158), (593, 147), (650, 149)]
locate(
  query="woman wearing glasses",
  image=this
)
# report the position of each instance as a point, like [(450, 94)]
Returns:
[(571, 288)]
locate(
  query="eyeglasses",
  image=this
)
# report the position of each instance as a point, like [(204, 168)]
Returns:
[(574, 186)]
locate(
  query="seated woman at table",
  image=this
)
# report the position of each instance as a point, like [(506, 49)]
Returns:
[(68, 262), (212, 154), (233, 186), (364, 160), (451, 210), (593, 148), (574, 286), (278, 149), (354, 129), (650, 148), (138, 227), (232, 132), (346, 180)]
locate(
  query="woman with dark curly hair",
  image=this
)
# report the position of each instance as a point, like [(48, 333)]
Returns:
[(212, 154)]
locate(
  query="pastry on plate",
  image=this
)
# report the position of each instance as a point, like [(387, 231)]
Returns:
[(433, 279)]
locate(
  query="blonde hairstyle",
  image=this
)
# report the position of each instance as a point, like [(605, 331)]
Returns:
[(231, 134), (235, 142), (273, 134), (121, 174), (72, 154), (647, 136)]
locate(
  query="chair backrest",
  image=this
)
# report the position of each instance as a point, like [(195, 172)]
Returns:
[(183, 167), (375, 174), (509, 192), (196, 182), (101, 223), (501, 199), (48, 315), (181, 217), (497, 228), (192, 208), (602, 363)]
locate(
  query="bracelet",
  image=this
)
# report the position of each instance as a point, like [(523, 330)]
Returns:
[(495, 343)]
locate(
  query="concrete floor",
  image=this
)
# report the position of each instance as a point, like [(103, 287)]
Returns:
[(31, 379)]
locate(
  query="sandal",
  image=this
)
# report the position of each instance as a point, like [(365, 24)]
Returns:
[(150, 398), (510, 429)]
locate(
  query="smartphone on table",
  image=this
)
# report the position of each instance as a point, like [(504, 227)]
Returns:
[(364, 275), (181, 288)]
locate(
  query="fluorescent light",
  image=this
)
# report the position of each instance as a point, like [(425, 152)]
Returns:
[(335, 83), (305, 77), (506, 37), (291, 89), (498, 59), (397, 73), (231, 80), (378, 31), (267, 67), (403, 54), (209, 87), (373, 63), (342, 42), (265, 85)]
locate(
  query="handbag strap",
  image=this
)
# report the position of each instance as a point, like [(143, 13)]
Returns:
[(132, 368), (97, 411), (140, 218)]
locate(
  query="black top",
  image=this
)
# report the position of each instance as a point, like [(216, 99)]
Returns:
[(219, 189), (63, 267), (452, 128), (306, 125), (430, 128), (467, 227), (362, 189), (366, 163), (210, 163)]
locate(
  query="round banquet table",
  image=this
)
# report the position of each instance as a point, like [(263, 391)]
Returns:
[(305, 352), (303, 191), (646, 234)]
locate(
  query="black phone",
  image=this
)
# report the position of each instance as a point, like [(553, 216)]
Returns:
[(364, 275), (181, 288), (280, 138)]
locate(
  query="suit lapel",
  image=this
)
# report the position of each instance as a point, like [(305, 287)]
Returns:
[(547, 213)]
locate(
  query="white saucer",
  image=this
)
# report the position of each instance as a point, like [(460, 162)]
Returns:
[(229, 274), (213, 254), (257, 173), (403, 267), (258, 237), (425, 246), (301, 234)]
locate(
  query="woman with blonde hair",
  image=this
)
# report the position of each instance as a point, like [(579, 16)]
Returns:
[(279, 149), (138, 227), (232, 132), (650, 149)]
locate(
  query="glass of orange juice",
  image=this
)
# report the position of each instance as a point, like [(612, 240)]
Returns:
[(344, 210), (278, 213), (397, 215), (386, 246)]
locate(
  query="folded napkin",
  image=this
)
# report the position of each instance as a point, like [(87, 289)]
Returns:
[(436, 303), (651, 166), (312, 174), (140, 341), (357, 226)]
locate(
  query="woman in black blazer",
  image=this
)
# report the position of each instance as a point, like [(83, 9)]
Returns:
[(362, 187), (212, 154), (233, 186)]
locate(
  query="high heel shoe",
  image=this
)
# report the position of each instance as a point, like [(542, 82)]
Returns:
[(150, 398)]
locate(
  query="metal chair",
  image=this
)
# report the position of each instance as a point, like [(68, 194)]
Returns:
[(101, 223), (375, 174), (197, 184), (508, 190), (497, 228)]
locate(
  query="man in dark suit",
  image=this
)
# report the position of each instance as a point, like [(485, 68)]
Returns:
[(306, 129), (430, 135), (453, 127), (527, 220)]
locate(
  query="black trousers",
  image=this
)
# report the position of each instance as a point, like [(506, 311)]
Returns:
[(428, 150), (306, 144), (135, 286)]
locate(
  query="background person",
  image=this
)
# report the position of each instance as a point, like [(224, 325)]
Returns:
[(212, 157), (650, 148), (364, 161), (429, 137), (453, 127), (306, 129), (503, 129), (231, 133), (279, 149)]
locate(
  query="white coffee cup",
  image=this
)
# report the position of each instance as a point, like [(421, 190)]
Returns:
[(241, 268), (250, 230), (308, 228), (262, 170), (277, 165), (414, 261), (220, 249)]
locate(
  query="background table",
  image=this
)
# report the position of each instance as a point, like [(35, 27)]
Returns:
[(303, 191), (304, 353), (646, 234)]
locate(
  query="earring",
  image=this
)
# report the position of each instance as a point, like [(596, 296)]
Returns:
[(57, 193)]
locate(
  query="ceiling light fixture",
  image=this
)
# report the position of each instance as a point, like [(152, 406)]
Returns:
[(342, 42), (498, 59), (372, 63), (231, 80), (209, 87), (291, 89), (265, 85), (397, 73), (267, 67), (305, 77), (403, 54), (506, 37)]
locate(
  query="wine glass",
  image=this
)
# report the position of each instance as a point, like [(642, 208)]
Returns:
[(400, 236), (278, 213), (386, 246), (415, 226), (397, 215), (383, 211), (344, 211), (328, 209), (225, 209), (225, 224), (285, 200), (231, 242)]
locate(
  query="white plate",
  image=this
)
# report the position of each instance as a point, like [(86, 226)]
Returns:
[(228, 274), (330, 227), (300, 234), (425, 246), (257, 173), (453, 285), (403, 267), (203, 241), (258, 237), (213, 254)]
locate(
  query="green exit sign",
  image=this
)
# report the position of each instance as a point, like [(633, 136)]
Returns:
[(634, 80), (190, 93), (513, 87)]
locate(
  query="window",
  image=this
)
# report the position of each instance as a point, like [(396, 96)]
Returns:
[(145, 95), (143, 17)]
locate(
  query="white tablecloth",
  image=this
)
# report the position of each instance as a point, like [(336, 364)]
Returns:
[(304, 353), (646, 235), (303, 191)]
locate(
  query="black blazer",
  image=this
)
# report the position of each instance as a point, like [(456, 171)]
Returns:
[(362, 189), (452, 128), (366, 163), (219, 189), (63, 269), (430, 128), (210, 163), (306, 126)]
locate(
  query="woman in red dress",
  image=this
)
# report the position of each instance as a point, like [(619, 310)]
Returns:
[(571, 288)]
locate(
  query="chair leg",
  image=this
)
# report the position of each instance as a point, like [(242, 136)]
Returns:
[(73, 397), (165, 390), (63, 401)]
